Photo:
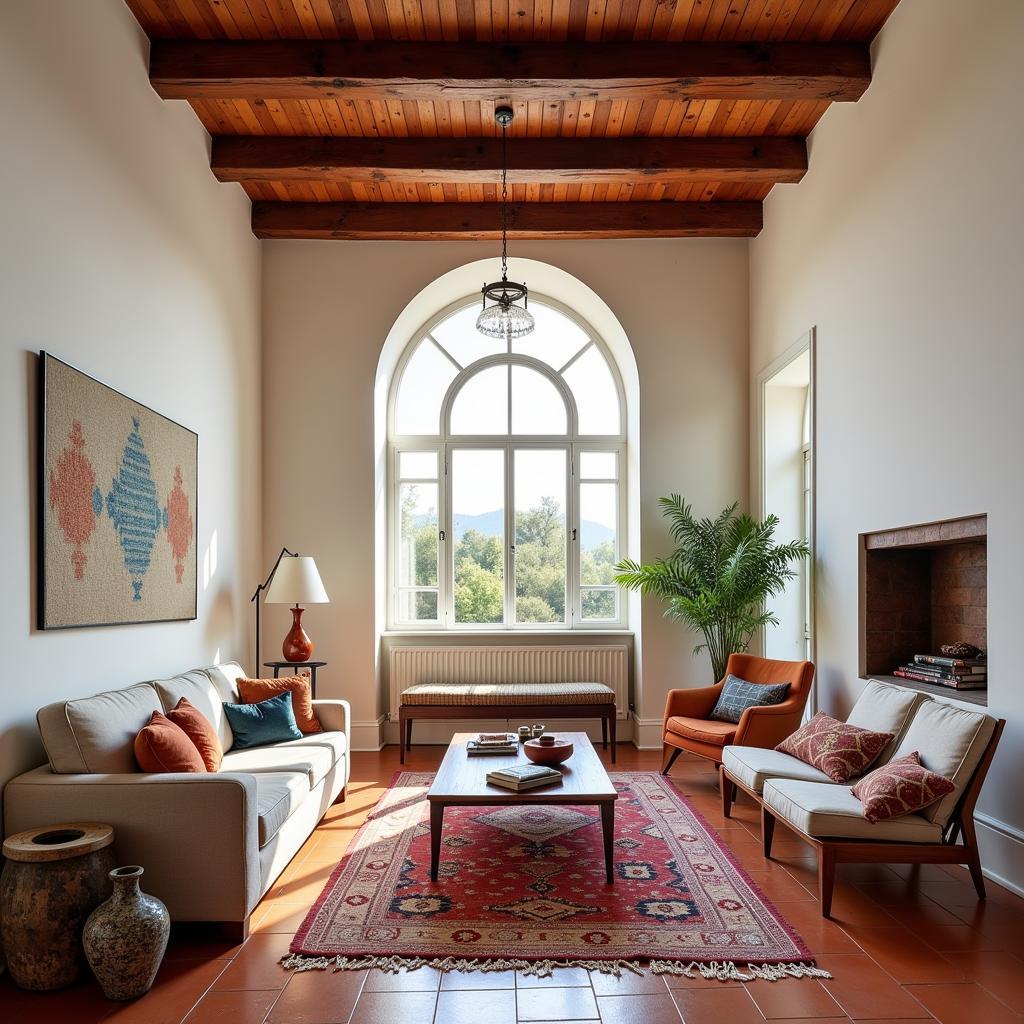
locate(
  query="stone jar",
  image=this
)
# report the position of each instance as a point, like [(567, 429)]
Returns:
[(125, 939), (52, 880)]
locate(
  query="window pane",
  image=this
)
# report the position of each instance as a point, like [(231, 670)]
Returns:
[(481, 406), (540, 535), (417, 605), (599, 604), (425, 380), (459, 336), (478, 521), (537, 407), (599, 466), (417, 465), (592, 386), (555, 339), (417, 535), (598, 518)]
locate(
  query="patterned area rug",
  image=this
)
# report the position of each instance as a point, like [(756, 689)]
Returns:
[(524, 887)]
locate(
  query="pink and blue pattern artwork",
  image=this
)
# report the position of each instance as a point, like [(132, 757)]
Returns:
[(101, 563)]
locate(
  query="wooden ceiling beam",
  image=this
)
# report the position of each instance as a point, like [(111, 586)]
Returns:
[(530, 161), (481, 221), (507, 72)]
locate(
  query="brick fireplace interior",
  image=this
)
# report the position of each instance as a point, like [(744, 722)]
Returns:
[(921, 587)]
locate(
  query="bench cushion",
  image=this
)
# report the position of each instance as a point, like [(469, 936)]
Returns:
[(831, 811), (499, 694), (882, 707), (754, 766)]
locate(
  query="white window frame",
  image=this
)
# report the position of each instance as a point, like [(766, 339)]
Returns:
[(445, 442)]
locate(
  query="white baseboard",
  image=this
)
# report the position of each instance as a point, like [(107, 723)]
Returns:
[(1002, 852), (368, 735), (648, 733)]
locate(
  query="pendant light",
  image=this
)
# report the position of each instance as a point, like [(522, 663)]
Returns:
[(504, 319)]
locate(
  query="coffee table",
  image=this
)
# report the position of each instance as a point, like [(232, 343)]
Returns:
[(462, 780)]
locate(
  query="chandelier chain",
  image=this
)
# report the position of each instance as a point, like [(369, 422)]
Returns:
[(504, 203)]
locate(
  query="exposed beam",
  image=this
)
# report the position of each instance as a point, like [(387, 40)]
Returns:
[(294, 69), (478, 221), (530, 161)]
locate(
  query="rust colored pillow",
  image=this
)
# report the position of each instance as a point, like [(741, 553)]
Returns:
[(197, 728), (163, 746), (839, 750), (900, 787), (252, 691)]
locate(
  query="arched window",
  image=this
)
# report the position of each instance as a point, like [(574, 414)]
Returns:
[(506, 476)]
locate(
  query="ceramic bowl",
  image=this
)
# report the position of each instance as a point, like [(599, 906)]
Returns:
[(551, 753)]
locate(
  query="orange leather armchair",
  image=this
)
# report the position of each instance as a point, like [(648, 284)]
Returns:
[(688, 727)]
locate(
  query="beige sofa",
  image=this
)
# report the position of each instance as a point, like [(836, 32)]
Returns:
[(211, 844)]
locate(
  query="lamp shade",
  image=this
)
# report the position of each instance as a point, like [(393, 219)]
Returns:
[(297, 582)]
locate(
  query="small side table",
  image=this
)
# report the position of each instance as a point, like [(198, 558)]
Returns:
[(311, 665)]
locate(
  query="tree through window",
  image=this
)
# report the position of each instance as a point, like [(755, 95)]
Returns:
[(506, 477)]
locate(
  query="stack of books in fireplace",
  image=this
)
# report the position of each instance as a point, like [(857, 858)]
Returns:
[(956, 673)]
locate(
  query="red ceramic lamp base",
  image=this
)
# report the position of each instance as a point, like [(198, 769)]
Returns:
[(297, 646)]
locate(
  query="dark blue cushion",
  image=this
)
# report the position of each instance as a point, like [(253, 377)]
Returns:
[(269, 721), (737, 695)]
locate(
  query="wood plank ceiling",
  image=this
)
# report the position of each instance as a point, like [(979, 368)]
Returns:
[(633, 118)]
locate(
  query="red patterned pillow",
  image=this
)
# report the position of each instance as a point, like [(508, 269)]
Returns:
[(839, 750), (900, 787)]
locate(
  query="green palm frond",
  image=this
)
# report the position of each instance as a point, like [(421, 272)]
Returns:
[(719, 577)]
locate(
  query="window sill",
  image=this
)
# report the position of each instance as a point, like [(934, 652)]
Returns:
[(589, 631)]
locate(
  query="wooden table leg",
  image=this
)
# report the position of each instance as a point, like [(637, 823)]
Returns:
[(608, 827), (436, 821)]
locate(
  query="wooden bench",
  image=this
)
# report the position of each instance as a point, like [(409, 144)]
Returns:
[(527, 702)]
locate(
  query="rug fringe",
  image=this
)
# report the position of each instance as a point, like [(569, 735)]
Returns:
[(724, 970)]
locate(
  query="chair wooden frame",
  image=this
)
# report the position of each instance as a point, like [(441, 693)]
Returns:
[(959, 843)]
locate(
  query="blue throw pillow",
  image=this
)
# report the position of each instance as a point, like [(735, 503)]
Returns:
[(269, 721), (737, 695)]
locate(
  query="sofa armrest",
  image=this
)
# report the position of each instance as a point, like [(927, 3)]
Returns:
[(697, 702), (334, 715), (194, 833), (767, 725)]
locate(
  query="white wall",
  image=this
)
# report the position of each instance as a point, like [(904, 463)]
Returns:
[(120, 253), (328, 307), (903, 245)]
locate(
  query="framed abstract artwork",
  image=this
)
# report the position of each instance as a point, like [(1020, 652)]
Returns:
[(117, 506)]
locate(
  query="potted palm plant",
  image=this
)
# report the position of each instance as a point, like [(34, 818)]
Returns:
[(719, 577)]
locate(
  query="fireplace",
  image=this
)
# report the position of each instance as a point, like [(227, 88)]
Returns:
[(921, 587)]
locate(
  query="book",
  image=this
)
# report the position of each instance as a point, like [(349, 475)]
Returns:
[(476, 749), (947, 673), (520, 786), (526, 772), (939, 659), (503, 738), (962, 683)]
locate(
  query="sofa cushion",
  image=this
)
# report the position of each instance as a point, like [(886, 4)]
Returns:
[(97, 734), (737, 695), (314, 760), (900, 787), (223, 678), (200, 732), (278, 794), (252, 691), (163, 746), (702, 730), (828, 810), (882, 707), (200, 691), (950, 741), (266, 722), (841, 751), (754, 766)]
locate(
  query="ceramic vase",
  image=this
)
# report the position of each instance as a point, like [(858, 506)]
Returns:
[(125, 938)]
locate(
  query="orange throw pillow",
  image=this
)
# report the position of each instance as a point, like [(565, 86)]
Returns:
[(252, 691), (163, 746), (197, 728)]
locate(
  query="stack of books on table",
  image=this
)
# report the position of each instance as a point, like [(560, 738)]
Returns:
[(493, 743), (956, 673), (524, 776)]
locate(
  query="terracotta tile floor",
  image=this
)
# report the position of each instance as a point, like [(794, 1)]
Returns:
[(905, 945)]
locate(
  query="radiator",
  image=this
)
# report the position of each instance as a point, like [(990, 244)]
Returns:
[(578, 664)]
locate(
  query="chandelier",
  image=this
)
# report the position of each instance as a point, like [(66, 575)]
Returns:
[(504, 319)]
